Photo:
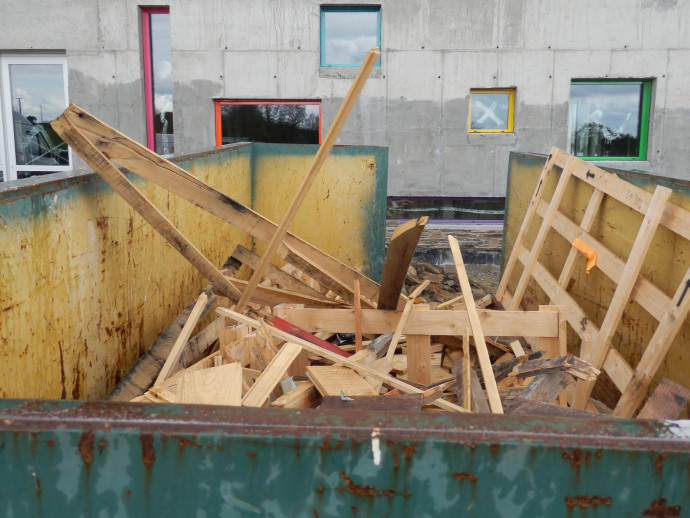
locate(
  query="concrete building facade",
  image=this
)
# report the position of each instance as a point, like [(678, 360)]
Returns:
[(434, 55)]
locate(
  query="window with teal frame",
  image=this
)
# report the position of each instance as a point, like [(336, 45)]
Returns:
[(347, 33), (609, 120)]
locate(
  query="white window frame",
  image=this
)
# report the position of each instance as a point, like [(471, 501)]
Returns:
[(9, 164)]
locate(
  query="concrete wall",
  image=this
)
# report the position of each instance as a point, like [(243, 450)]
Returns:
[(433, 52)]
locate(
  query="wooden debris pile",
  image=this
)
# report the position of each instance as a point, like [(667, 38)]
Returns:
[(269, 344)]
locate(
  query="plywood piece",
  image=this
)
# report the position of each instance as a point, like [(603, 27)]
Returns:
[(331, 380), (215, 386), (257, 396)]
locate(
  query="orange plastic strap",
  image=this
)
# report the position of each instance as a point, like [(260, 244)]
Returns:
[(587, 250)]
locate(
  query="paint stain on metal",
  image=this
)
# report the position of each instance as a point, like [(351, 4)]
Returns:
[(659, 509), (86, 447), (148, 453), (365, 491), (464, 476), (587, 501)]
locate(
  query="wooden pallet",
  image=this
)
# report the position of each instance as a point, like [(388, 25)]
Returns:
[(527, 264)]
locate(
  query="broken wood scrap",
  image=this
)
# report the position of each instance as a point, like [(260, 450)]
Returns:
[(257, 396), (292, 329), (478, 403), (401, 248), (337, 381), (393, 403), (571, 364), (545, 388), (304, 395), (521, 406), (666, 402)]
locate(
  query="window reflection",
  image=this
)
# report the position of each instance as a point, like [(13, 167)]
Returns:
[(489, 111), (605, 119), (38, 96), (347, 34), (275, 123)]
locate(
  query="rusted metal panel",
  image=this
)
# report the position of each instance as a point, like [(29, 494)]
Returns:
[(110, 459)]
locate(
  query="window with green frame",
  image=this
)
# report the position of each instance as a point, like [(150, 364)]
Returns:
[(347, 34), (609, 120)]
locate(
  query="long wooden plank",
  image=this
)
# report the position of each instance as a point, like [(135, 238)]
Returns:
[(401, 248), (142, 161), (359, 367), (526, 222), (602, 342), (656, 350), (403, 321), (304, 396), (477, 331), (172, 361), (325, 148), (282, 279), (120, 184), (419, 354), (539, 241), (257, 396), (269, 296), (215, 386), (446, 322)]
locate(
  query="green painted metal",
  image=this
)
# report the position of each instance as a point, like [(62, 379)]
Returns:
[(104, 459)]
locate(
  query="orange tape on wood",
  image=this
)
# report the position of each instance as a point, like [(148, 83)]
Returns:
[(589, 253)]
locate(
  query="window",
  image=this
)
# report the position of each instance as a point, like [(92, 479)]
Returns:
[(158, 84), (491, 111), (33, 91), (347, 34), (292, 122), (609, 120)]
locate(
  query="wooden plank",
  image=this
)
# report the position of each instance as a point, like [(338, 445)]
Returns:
[(381, 365), (269, 296), (434, 323), (539, 241), (518, 406), (602, 341), (401, 248), (666, 402), (215, 386), (618, 369), (516, 346), (466, 386), (171, 363), (320, 157), (478, 333), (524, 228), (361, 368), (419, 354), (358, 317), (63, 125), (392, 403), (282, 279), (656, 350), (142, 161), (304, 395), (257, 396), (545, 388), (403, 320), (332, 380)]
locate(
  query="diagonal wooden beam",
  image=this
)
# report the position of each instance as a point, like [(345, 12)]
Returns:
[(319, 159), (64, 126)]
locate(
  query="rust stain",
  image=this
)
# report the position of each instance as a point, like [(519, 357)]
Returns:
[(184, 442), (410, 450), (365, 491), (659, 509), (465, 476), (102, 444), (396, 458), (659, 462), (38, 485), (587, 501), (148, 453), (315, 513), (251, 454), (576, 457), (86, 447)]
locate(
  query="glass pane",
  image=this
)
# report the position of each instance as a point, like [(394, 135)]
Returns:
[(605, 119), (277, 123), (161, 60), (489, 111), (38, 96), (348, 36)]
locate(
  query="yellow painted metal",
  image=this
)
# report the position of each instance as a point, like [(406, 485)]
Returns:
[(616, 227), (87, 285), (334, 214)]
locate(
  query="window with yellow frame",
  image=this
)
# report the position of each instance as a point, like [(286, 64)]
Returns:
[(492, 110)]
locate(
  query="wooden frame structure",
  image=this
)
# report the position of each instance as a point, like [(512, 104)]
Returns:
[(630, 285)]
